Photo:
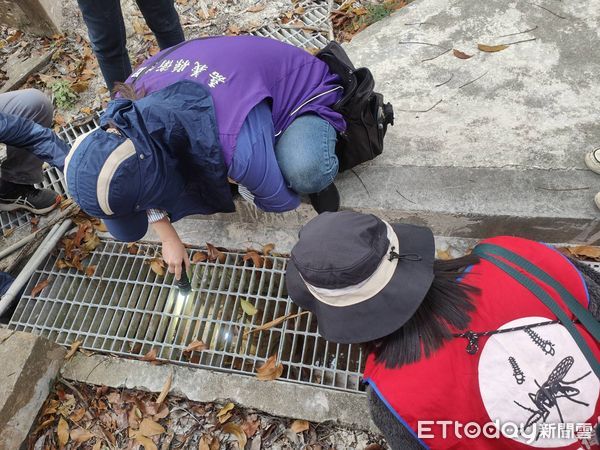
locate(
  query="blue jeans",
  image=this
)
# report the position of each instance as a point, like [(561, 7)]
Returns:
[(106, 30), (301, 161), (306, 156)]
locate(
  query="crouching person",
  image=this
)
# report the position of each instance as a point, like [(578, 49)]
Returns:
[(22, 169), (254, 110), (495, 350)]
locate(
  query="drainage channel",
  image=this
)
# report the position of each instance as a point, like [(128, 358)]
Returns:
[(126, 309)]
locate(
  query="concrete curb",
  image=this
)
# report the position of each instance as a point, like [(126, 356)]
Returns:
[(273, 397)]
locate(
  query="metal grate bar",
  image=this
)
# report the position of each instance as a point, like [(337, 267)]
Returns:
[(126, 309)]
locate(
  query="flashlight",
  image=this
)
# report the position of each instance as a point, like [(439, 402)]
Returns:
[(184, 283)]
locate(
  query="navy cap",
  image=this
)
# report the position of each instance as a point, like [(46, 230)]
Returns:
[(362, 277), (103, 175)]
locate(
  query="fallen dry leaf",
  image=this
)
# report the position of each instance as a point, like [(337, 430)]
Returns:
[(251, 425), (491, 48), (586, 251), (298, 426), (80, 86), (73, 349), (225, 409), (62, 264), (275, 322), (257, 260), (199, 257), (89, 270), (158, 266), (233, 30), (8, 233), (248, 307), (235, 430), (215, 254), (195, 346), (146, 442), (39, 287), (268, 249), (100, 226), (224, 418), (255, 8), (443, 254), (77, 415), (270, 370), (81, 435), (132, 248), (35, 220), (150, 428), (66, 203), (461, 55), (165, 390), (209, 443), (97, 445), (150, 356), (62, 432)]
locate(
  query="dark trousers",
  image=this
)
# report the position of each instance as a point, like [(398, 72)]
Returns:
[(106, 30), (21, 166)]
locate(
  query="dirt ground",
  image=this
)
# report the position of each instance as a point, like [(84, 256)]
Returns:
[(87, 417)]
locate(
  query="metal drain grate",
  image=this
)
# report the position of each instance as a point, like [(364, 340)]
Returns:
[(316, 16), (126, 309), (52, 177)]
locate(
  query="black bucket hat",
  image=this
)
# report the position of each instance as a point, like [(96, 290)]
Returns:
[(362, 277)]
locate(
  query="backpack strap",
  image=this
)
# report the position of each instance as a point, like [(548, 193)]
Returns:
[(492, 253)]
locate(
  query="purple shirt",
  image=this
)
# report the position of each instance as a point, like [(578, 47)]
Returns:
[(241, 71)]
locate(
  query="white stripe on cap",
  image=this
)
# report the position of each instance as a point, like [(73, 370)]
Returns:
[(119, 154), (352, 295), (74, 147)]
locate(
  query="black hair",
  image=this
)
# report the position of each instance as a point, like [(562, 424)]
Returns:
[(447, 304), (127, 91)]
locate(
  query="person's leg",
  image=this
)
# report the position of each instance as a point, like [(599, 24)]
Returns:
[(106, 30), (162, 18), (306, 155), (21, 169)]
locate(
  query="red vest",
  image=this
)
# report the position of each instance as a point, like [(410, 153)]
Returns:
[(529, 378)]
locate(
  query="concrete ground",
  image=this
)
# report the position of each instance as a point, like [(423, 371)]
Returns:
[(500, 147)]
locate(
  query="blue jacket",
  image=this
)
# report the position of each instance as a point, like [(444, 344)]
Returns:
[(41, 141)]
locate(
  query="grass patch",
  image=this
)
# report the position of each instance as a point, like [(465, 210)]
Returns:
[(64, 95)]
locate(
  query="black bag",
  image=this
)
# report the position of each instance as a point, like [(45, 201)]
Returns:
[(366, 115)]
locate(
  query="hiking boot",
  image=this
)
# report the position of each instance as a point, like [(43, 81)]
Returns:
[(22, 196), (326, 200), (592, 160)]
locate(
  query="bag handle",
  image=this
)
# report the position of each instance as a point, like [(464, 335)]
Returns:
[(491, 252)]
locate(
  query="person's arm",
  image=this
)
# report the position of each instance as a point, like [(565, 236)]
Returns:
[(42, 142), (396, 435), (173, 250)]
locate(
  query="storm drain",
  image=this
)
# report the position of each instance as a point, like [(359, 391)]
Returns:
[(313, 33), (126, 309)]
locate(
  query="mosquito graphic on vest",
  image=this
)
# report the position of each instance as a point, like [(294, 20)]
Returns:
[(554, 388)]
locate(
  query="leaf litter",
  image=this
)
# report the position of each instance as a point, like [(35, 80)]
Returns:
[(122, 418)]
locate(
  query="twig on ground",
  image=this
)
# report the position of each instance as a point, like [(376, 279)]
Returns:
[(419, 23), (421, 111), (361, 181), (437, 56), (445, 82), (518, 42), (550, 11), (473, 81), (74, 389), (563, 189), (420, 43), (520, 32), (405, 198)]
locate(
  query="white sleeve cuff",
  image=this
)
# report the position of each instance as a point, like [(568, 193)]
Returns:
[(154, 215)]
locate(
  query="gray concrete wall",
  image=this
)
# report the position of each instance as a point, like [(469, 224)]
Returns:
[(29, 367), (43, 17)]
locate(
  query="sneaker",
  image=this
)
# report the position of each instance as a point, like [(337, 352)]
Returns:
[(592, 160), (326, 200), (22, 196)]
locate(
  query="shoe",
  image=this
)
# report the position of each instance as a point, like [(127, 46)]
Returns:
[(326, 200), (22, 196), (592, 160)]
